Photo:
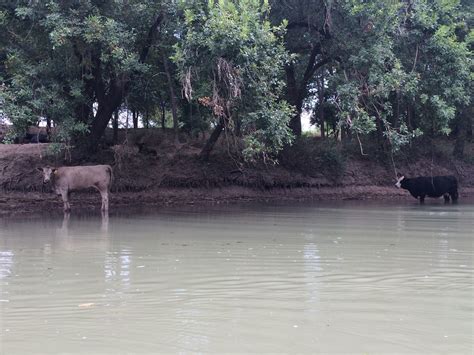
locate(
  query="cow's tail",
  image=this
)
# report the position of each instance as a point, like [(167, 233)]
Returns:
[(111, 175)]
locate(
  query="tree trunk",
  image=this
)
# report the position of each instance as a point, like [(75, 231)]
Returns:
[(107, 105), (335, 131), (135, 119), (99, 125), (469, 130), (462, 133), (146, 120), (48, 129), (294, 98), (295, 123), (115, 126), (458, 151), (321, 104), (206, 151), (396, 124), (174, 107), (469, 113), (163, 115)]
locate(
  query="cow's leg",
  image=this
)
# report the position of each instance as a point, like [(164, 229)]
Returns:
[(105, 199), (422, 199), (104, 194), (454, 196), (446, 198), (65, 196)]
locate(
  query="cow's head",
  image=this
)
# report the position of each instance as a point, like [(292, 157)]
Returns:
[(48, 173), (400, 178)]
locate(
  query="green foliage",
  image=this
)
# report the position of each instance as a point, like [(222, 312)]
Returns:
[(271, 132), (387, 69), (230, 57), (443, 64), (401, 136), (399, 68), (59, 58)]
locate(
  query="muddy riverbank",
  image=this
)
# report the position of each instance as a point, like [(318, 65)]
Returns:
[(165, 174)]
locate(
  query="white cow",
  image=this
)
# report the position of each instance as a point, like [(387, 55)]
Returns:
[(67, 178)]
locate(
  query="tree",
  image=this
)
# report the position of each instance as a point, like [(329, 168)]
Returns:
[(392, 70), (85, 54), (230, 60), (438, 54), (33, 80), (308, 38), (398, 69)]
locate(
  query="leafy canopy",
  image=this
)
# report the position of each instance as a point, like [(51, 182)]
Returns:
[(230, 58)]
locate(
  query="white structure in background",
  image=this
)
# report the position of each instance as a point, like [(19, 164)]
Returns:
[(306, 125)]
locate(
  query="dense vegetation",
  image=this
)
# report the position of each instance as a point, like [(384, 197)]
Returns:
[(384, 69)]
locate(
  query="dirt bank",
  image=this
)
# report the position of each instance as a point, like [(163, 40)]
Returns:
[(163, 174), (31, 203)]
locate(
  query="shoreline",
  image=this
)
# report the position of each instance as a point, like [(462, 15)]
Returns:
[(20, 203), (176, 177)]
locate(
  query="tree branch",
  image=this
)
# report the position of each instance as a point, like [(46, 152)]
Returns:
[(151, 36), (416, 59), (309, 26), (98, 80), (311, 70)]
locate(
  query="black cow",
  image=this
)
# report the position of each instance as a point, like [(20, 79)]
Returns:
[(431, 186)]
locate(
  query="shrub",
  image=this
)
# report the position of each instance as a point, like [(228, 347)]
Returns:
[(314, 156)]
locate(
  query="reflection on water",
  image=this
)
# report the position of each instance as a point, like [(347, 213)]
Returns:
[(6, 262), (358, 278), (117, 267)]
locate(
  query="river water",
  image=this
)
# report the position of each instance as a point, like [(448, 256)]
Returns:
[(299, 278)]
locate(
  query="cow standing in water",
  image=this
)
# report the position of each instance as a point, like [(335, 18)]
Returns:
[(431, 186), (68, 178)]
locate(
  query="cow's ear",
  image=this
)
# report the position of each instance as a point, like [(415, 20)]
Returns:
[(399, 175), (54, 170), (39, 169)]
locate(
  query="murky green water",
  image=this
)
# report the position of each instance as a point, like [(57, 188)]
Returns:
[(359, 278)]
